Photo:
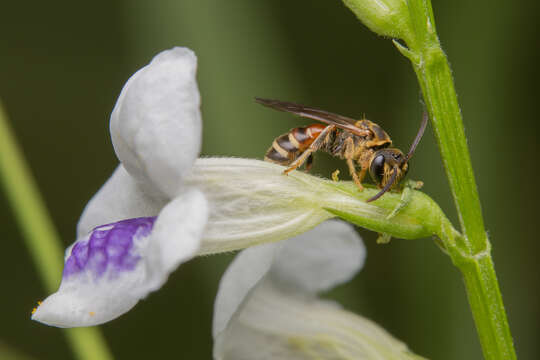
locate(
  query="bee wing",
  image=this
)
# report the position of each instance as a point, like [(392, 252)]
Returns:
[(340, 121)]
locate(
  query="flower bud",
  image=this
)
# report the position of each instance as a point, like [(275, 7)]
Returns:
[(385, 17)]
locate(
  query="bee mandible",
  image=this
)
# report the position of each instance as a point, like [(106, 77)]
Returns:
[(359, 142)]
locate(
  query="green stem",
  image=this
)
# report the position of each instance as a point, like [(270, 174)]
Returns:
[(487, 307), (40, 235), (413, 22), (473, 255)]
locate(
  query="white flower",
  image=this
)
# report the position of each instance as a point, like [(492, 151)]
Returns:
[(267, 306), (162, 207), (153, 220)]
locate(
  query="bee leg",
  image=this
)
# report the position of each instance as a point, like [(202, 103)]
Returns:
[(384, 238), (405, 197), (309, 162), (299, 161), (362, 174), (349, 154), (355, 177), (315, 145)]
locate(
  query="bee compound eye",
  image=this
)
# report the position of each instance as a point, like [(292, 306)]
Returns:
[(376, 169)]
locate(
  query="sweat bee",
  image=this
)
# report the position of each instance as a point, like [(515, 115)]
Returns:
[(359, 142)]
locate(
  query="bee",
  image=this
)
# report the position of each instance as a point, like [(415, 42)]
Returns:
[(359, 142)]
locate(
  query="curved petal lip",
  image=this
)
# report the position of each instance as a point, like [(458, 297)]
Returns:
[(104, 276), (107, 272), (66, 309)]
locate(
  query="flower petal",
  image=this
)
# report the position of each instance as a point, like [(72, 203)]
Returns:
[(316, 260), (107, 272), (241, 276), (329, 255), (156, 123), (119, 198), (276, 315), (104, 276), (177, 234), (252, 202), (272, 324)]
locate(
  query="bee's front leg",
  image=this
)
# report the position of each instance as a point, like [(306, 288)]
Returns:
[(405, 198), (362, 174), (349, 155), (352, 170)]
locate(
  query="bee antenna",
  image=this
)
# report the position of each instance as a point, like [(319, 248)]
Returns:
[(386, 187), (425, 118)]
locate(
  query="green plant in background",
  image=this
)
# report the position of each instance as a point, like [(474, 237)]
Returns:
[(40, 235), (278, 198)]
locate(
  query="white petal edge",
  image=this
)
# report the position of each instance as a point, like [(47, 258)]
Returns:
[(246, 270), (329, 255), (156, 122), (85, 299), (176, 236), (321, 258), (121, 197)]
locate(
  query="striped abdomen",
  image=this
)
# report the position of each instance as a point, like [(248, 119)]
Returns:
[(287, 147)]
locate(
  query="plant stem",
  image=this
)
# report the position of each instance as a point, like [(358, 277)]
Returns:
[(41, 238), (472, 253), (487, 307)]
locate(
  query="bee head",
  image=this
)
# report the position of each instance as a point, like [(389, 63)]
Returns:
[(387, 168)]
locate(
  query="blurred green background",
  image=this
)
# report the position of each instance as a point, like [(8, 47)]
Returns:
[(64, 63)]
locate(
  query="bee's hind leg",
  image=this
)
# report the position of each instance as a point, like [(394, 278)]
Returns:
[(299, 161), (315, 145)]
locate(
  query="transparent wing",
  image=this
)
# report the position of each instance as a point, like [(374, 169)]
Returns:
[(340, 121)]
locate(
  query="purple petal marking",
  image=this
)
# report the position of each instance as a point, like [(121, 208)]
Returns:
[(109, 246)]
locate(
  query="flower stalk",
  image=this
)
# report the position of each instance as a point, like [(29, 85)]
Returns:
[(40, 235), (470, 252)]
